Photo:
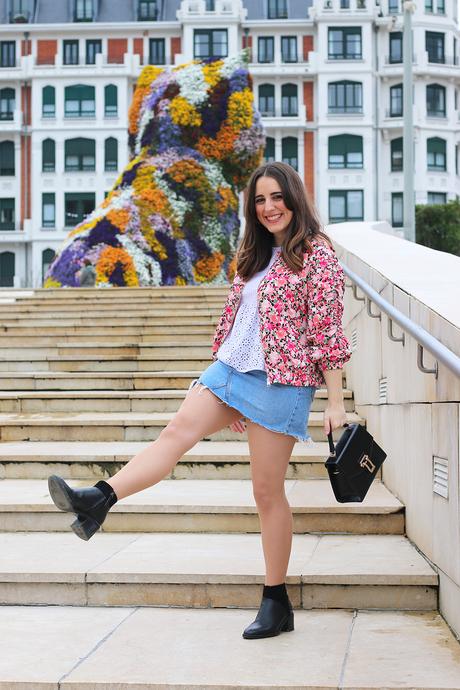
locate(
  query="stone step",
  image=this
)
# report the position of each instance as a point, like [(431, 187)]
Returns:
[(121, 380), (196, 505), (112, 648), (106, 351), (213, 570), (117, 401), (168, 361), (100, 320), (95, 460), (120, 426), (105, 330), (111, 306), (97, 313), (97, 339), (116, 293)]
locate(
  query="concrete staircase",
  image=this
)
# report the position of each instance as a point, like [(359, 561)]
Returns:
[(159, 597)]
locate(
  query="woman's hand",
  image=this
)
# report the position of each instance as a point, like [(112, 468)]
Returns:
[(239, 426), (334, 416)]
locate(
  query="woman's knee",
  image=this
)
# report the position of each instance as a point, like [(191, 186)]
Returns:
[(267, 494), (179, 432)]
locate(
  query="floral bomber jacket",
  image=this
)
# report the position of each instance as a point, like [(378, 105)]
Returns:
[(300, 316)]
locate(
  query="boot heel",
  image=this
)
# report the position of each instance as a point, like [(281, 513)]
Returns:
[(289, 625), (85, 527)]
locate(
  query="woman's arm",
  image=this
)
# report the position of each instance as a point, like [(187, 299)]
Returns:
[(334, 414)]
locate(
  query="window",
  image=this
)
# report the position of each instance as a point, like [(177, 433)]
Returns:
[(441, 8), (277, 9), (289, 152), (269, 152), (110, 154), (435, 100), (288, 48), (266, 49), (80, 154), (210, 6), (48, 155), (436, 154), (344, 44), (157, 51), (48, 210), (346, 204), (393, 6), (344, 4), (79, 101), (6, 158), (147, 11), (437, 197), (396, 46), (47, 259), (6, 214), (20, 12), (396, 100), (396, 154), (48, 101), (110, 100), (345, 97), (289, 107), (93, 47), (428, 5), (84, 11), (71, 53), (7, 269), (210, 43), (434, 46), (397, 209), (7, 104), (7, 54), (267, 100), (346, 151), (78, 206)]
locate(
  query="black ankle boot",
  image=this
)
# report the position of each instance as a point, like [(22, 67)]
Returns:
[(272, 618), (90, 504)]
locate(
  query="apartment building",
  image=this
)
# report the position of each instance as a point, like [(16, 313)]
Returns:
[(327, 79)]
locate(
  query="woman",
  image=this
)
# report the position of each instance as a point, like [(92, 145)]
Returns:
[(278, 339)]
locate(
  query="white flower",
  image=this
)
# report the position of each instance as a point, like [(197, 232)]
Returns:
[(179, 205), (213, 172), (211, 233), (232, 63), (192, 84), (148, 270)]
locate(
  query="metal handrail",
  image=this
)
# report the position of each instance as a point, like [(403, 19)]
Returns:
[(424, 339)]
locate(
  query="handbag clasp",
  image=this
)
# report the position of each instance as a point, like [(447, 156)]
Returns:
[(367, 463)]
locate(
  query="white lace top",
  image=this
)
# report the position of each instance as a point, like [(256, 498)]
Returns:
[(242, 348)]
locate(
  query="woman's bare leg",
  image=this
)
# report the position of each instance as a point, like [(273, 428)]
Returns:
[(201, 414), (270, 453)]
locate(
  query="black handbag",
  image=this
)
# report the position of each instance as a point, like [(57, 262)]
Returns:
[(353, 463)]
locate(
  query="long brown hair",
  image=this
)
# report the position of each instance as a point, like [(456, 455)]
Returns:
[(255, 249)]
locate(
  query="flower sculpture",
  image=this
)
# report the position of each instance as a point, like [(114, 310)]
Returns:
[(172, 215)]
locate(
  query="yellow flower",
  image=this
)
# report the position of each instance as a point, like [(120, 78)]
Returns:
[(148, 74), (180, 281), (211, 73), (52, 283), (184, 113), (240, 109)]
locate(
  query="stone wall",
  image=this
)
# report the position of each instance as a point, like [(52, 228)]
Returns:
[(413, 415)]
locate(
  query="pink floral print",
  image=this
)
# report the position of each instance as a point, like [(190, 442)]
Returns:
[(300, 318)]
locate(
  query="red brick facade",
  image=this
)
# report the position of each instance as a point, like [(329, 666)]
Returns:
[(307, 46), (308, 99), (46, 52), (176, 47), (309, 164), (138, 48), (116, 48)]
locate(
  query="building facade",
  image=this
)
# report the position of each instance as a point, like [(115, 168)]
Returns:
[(327, 79)]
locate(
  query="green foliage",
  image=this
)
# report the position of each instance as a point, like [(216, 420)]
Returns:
[(438, 226)]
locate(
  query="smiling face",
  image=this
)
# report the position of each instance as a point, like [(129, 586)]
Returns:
[(271, 211)]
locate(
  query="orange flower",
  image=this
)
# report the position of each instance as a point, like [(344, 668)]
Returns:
[(109, 258), (228, 199), (119, 217), (134, 109), (208, 268)]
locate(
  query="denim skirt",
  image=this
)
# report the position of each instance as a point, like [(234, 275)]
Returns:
[(278, 407)]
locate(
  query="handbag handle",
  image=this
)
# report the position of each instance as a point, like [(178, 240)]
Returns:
[(331, 442)]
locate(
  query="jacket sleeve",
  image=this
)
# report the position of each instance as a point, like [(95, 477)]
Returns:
[(328, 346)]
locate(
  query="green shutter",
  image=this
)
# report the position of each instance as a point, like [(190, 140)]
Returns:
[(110, 100), (48, 155), (111, 154)]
